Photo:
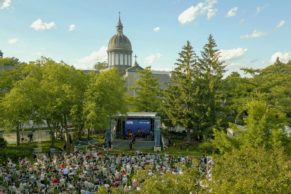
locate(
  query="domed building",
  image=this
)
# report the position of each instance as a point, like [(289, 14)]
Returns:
[(119, 54), (119, 48)]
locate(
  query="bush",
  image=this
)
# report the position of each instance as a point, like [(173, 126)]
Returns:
[(251, 170), (3, 143), (172, 183), (207, 147)]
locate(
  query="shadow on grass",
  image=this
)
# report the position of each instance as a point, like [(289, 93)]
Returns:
[(24, 150)]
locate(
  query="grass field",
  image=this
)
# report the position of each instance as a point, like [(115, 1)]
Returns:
[(25, 150)]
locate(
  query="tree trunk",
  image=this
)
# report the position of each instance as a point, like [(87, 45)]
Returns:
[(188, 138), (88, 135), (17, 134), (198, 133), (68, 145), (80, 131), (52, 133)]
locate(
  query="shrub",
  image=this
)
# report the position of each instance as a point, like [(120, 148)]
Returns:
[(251, 170), (207, 147), (3, 143)]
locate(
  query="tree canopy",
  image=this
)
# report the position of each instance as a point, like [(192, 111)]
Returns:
[(45, 91), (148, 93)]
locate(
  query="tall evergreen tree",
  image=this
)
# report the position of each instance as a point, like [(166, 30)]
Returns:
[(180, 102), (148, 92), (211, 71)]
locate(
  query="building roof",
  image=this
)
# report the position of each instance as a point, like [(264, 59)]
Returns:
[(134, 68), (161, 72), (138, 114), (119, 42)]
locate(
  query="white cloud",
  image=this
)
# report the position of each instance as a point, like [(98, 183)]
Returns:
[(202, 8), (152, 58), (254, 34), (280, 24), (87, 61), (5, 4), (260, 8), (156, 29), (40, 25), (209, 8), (12, 40), (211, 13), (232, 12), (230, 54), (72, 27), (284, 57)]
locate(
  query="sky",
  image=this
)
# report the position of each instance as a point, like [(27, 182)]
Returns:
[(250, 33)]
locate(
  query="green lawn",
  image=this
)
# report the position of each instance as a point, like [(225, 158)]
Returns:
[(177, 150), (24, 150)]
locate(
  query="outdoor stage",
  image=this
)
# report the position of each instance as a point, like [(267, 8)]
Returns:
[(143, 126)]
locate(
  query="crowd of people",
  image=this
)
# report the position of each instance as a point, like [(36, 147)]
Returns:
[(83, 171)]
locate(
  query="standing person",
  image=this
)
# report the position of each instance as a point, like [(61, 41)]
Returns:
[(109, 144), (133, 139), (66, 173), (130, 145), (64, 147), (169, 141), (30, 136)]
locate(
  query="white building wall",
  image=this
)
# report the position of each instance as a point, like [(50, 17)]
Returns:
[(115, 59), (125, 59), (112, 59), (121, 59)]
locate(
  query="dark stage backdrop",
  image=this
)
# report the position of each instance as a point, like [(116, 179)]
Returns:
[(144, 125)]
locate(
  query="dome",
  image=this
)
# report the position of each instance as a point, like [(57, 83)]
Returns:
[(119, 42)]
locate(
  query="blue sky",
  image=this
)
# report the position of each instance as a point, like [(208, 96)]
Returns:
[(248, 33)]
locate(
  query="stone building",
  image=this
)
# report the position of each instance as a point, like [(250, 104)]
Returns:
[(119, 52)]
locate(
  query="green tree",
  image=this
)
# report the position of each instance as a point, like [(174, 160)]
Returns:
[(274, 86), (254, 170), (172, 183), (148, 92), (64, 87), (104, 97), (8, 63), (181, 98), (237, 91), (10, 72), (100, 65), (195, 97), (21, 104), (263, 127), (212, 97)]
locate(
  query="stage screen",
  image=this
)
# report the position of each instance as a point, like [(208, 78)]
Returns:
[(137, 126)]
